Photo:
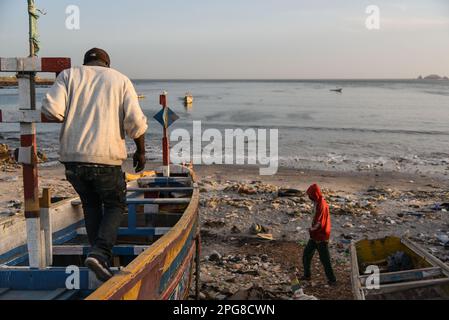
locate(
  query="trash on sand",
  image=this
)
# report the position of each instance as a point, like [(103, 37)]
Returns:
[(413, 214), (300, 295), (290, 193), (215, 224), (253, 293), (399, 261), (265, 236), (215, 256), (441, 207), (443, 239), (258, 228), (235, 230)]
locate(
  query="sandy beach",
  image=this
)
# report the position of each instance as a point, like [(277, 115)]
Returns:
[(238, 264)]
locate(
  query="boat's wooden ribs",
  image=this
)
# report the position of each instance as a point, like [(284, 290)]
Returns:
[(159, 180), (158, 201), (143, 231), (408, 275), (161, 189), (119, 250), (147, 201)]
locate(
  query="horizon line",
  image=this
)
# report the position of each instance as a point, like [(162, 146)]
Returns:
[(275, 79)]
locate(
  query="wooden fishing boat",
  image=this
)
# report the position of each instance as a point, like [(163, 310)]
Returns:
[(407, 271), (155, 256), (188, 99)]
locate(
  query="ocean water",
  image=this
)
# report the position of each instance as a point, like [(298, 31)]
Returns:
[(392, 125)]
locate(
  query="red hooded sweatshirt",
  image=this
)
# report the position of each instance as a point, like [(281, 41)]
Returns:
[(321, 214)]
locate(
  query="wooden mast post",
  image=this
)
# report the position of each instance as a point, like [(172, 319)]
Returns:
[(27, 101), (38, 234), (165, 141), (166, 117)]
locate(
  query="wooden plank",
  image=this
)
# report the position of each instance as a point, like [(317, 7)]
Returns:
[(143, 231), (119, 250), (25, 64), (52, 295), (407, 275), (427, 256), (24, 116), (159, 201), (34, 64), (51, 278), (164, 179), (389, 288), (161, 189), (45, 204), (355, 273), (142, 201), (67, 295), (132, 217), (55, 64), (3, 290)]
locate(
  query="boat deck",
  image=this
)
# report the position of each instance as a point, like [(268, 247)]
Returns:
[(414, 274), (154, 206)]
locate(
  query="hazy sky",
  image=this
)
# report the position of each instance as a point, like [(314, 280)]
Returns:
[(242, 38)]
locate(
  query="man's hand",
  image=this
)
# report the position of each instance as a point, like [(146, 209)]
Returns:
[(139, 161), (139, 157)]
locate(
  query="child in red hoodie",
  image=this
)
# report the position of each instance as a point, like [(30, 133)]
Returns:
[(319, 236)]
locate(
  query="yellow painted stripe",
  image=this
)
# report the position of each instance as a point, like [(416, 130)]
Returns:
[(133, 294)]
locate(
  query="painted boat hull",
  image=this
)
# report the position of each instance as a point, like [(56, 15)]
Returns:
[(160, 269), (425, 277), (164, 271)]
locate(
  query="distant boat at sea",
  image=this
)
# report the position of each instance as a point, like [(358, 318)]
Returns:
[(188, 99), (339, 90)]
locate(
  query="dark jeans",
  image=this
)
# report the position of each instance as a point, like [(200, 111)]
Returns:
[(102, 190), (325, 258)]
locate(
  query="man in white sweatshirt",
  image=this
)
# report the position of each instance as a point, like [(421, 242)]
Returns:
[(97, 106)]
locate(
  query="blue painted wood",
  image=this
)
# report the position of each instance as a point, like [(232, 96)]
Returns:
[(161, 189), (165, 279), (18, 254), (158, 201), (165, 179), (68, 230), (143, 231), (22, 278), (22, 259), (120, 250), (132, 217)]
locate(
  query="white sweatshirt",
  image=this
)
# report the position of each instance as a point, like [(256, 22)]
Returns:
[(97, 106)]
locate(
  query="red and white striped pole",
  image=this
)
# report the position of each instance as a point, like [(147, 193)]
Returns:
[(27, 99), (165, 141)]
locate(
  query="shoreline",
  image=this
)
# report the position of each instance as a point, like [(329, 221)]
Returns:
[(234, 198), (8, 82)]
